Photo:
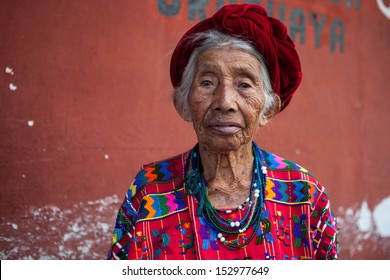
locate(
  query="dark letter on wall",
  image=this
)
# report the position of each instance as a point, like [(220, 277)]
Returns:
[(318, 26), (349, 4), (282, 13), (357, 5), (337, 35), (270, 8), (221, 3), (297, 24), (169, 10), (197, 7), (252, 1)]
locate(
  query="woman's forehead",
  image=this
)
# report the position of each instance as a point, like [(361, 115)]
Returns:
[(237, 60)]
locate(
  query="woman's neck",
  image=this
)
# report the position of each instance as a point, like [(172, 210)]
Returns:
[(228, 175)]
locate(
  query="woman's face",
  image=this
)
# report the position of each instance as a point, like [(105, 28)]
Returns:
[(226, 99)]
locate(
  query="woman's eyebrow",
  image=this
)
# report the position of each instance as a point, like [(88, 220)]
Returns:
[(207, 66), (247, 71)]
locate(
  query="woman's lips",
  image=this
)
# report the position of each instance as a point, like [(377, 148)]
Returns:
[(225, 128)]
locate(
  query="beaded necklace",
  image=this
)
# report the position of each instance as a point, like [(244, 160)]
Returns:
[(196, 186)]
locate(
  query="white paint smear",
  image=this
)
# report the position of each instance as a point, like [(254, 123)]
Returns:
[(104, 226), (377, 221), (30, 123), (365, 221), (82, 231), (381, 217), (385, 9), (9, 70), (12, 87)]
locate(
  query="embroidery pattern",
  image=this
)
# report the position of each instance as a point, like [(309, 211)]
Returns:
[(293, 198), (188, 242)]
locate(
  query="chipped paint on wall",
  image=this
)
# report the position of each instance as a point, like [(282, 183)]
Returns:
[(12, 87), (81, 232), (363, 229), (364, 221), (381, 217), (377, 220), (9, 70), (385, 9)]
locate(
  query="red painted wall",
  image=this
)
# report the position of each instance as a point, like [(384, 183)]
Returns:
[(85, 99)]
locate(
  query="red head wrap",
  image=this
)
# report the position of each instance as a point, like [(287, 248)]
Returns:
[(267, 34)]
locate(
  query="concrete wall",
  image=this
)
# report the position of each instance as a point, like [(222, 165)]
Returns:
[(85, 99)]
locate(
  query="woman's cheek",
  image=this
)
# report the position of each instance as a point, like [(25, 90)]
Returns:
[(198, 111), (255, 106)]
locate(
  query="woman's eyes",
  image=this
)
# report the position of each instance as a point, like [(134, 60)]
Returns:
[(244, 85), (206, 83), (239, 84)]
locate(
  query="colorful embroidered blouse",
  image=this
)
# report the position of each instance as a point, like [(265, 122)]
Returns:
[(158, 220)]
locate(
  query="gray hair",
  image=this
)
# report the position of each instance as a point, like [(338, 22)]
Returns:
[(216, 40)]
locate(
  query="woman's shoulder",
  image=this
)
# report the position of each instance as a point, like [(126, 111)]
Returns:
[(163, 170), (277, 163), (159, 176), (290, 182)]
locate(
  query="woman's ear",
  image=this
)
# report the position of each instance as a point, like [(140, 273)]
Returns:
[(271, 112)]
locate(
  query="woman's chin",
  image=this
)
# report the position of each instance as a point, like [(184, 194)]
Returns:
[(224, 144)]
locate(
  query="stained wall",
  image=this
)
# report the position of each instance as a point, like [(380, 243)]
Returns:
[(85, 99)]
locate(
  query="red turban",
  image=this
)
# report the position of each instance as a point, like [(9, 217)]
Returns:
[(267, 34)]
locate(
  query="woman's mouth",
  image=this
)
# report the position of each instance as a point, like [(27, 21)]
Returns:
[(225, 128)]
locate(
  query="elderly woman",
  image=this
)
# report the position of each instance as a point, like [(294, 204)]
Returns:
[(227, 198)]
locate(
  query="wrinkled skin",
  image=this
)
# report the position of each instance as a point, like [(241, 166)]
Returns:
[(225, 100)]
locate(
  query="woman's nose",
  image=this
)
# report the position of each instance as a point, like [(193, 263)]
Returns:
[(225, 99)]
